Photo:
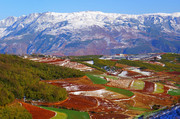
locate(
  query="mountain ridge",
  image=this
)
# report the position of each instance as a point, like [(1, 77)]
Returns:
[(90, 32)]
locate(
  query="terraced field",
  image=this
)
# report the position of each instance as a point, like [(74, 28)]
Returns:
[(121, 91), (88, 103), (76, 84), (103, 96), (116, 97)]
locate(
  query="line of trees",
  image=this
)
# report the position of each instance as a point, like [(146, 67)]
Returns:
[(170, 60), (142, 65)]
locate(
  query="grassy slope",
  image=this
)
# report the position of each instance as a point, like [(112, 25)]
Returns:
[(71, 114), (138, 85), (138, 108), (96, 80), (174, 92), (121, 91)]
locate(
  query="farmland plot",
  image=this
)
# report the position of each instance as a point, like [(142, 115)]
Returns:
[(37, 112)]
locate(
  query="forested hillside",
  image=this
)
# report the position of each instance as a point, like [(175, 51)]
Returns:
[(20, 78), (14, 111)]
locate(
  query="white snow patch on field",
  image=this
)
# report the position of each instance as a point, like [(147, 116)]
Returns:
[(141, 72), (123, 74), (71, 88), (89, 62), (96, 93)]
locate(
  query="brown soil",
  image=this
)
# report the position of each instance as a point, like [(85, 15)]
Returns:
[(37, 112), (122, 65), (134, 113), (108, 116), (132, 73), (52, 61), (147, 99), (138, 77), (121, 83), (149, 87), (87, 103), (81, 84), (174, 73), (79, 102)]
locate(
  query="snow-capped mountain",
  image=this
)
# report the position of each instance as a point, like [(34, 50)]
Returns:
[(85, 33)]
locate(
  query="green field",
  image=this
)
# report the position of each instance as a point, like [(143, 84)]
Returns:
[(159, 88), (120, 91), (138, 85), (71, 114), (108, 76), (96, 80), (137, 108), (174, 92), (177, 84)]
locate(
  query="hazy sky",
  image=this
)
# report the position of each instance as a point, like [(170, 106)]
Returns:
[(25, 7)]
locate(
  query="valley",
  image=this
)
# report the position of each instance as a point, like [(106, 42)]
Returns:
[(120, 90), (89, 59)]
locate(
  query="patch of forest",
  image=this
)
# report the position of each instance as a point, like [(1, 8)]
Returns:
[(142, 65), (14, 111), (171, 61), (20, 78), (83, 58)]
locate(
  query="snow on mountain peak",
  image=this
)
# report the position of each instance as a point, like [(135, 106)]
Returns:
[(8, 21), (54, 32), (177, 14), (76, 20), (163, 14)]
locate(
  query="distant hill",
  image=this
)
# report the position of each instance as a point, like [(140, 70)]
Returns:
[(90, 33)]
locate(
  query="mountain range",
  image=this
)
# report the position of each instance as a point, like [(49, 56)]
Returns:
[(90, 33)]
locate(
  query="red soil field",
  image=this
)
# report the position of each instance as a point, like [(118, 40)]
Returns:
[(79, 102), (88, 103), (151, 99), (51, 60), (37, 112), (105, 105), (48, 61), (137, 77), (78, 87), (149, 87), (174, 72), (132, 73), (108, 116), (76, 84)]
